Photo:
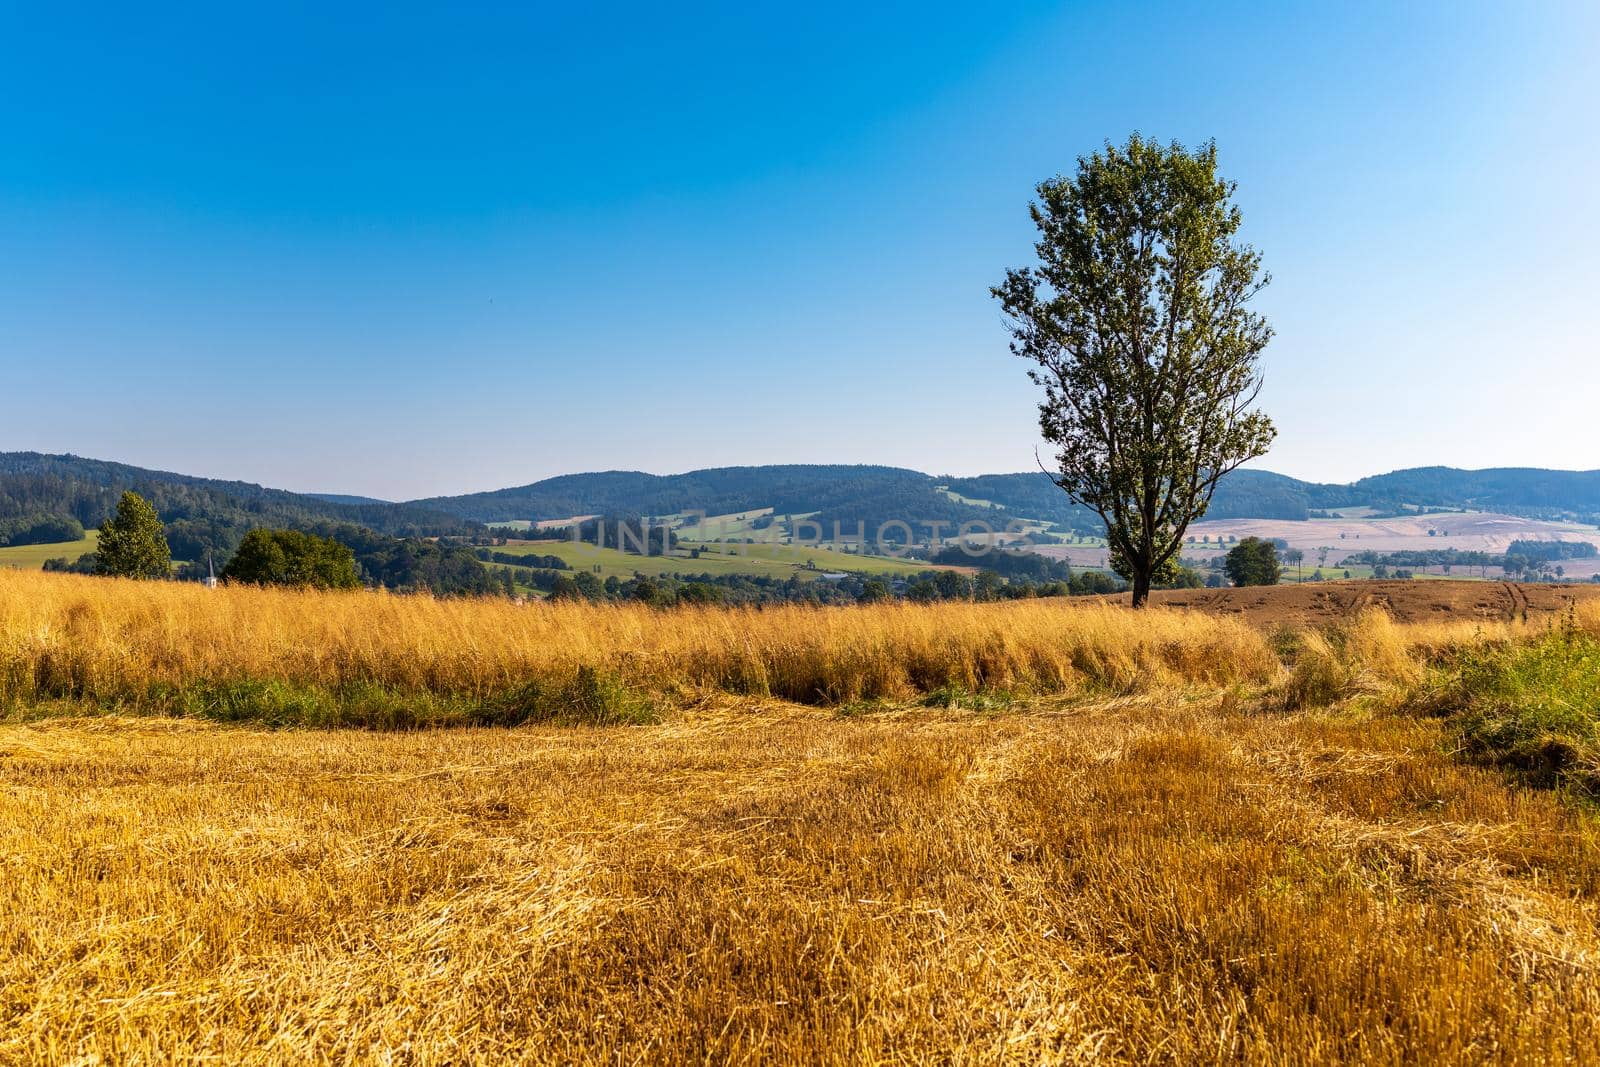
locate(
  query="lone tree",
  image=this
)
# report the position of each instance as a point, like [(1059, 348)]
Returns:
[(1253, 561), (1136, 318), (132, 541)]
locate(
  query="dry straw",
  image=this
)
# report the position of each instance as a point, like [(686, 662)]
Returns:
[(107, 641)]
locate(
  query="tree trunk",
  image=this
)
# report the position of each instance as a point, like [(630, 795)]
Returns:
[(1141, 588)]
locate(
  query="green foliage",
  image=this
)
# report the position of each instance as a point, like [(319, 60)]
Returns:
[(413, 565), (1551, 551), (874, 590), (289, 557), (954, 696), (1431, 557), (1136, 320), (132, 542), (1006, 563), (700, 593), (39, 529), (633, 535), (1186, 578), (529, 559), (1166, 573), (1253, 561)]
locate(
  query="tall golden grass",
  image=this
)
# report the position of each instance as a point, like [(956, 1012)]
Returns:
[(125, 643)]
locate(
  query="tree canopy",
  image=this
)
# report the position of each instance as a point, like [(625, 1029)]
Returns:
[(289, 557), (1253, 561), (1137, 322), (132, 541)]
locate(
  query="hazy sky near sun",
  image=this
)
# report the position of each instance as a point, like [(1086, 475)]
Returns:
[(402, 252)]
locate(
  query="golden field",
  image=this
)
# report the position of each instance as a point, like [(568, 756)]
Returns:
[(1108, 836)]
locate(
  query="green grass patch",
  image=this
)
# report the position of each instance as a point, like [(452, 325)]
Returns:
[(770, 560), (591, 696), (959, 696), (1531, 709), (824, 559), (32, 557)]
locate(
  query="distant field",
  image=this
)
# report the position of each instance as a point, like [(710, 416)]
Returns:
[(778, 561), (972, 501), (1464, 531), (1303, 574), (825, 558), (733, 524), (32, 557), (1472, 531)]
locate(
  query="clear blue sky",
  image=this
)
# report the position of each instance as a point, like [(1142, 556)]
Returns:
[(401, 252)]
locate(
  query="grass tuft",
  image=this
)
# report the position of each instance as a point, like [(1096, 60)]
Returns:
[(1534, 708)]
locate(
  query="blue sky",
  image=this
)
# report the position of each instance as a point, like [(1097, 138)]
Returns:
[(402, 252)]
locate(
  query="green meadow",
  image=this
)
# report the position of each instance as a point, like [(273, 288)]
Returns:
[(32, 557), (781, 561)]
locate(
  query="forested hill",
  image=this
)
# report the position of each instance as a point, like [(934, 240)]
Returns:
[(200, 513), (346, 498), (1240, 495), (1252, 494), (44, 498), (867, 492), (849, 494), (1523, 490)]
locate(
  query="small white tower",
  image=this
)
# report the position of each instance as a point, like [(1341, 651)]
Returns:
[(211, 573)]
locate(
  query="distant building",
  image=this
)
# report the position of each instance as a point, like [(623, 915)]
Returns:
[(211, 573)]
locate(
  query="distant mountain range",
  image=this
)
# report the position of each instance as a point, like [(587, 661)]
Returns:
[(40, 492)]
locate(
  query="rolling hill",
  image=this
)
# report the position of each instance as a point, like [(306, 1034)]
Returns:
[(201, 514), (853, 492), (204, 514), (1520, 490)]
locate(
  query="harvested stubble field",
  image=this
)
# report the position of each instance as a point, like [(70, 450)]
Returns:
[(1027, 832)]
